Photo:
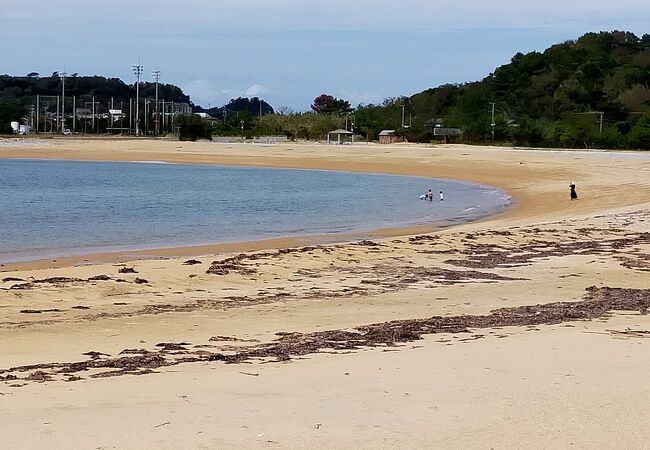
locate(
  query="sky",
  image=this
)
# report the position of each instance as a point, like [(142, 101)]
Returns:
[(290, 51)]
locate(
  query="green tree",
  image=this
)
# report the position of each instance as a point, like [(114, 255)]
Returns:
[(583, 128), (639, 135), (192, 127), (529, 132), (302, 125), (9, 112), (327, 104)]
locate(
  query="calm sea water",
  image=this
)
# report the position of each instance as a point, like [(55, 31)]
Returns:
[(59, 208)]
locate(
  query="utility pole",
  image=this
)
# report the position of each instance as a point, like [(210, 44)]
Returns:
[(601, 120), (402, 116), (93, 111), (146, 115), (492, 123), (156, 76), (137, 71), (163, 116), (62, 76), (31, 120), (38, 105)]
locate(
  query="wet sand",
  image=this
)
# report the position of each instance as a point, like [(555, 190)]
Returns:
[(526, 329)]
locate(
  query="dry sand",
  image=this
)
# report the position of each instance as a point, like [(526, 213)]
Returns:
[(272, 348)]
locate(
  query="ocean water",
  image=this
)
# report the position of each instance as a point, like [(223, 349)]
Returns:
[(61, 208)]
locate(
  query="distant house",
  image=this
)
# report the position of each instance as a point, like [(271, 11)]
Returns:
[(172, 109), (209, 118), (390, 137), (179, 108), (435, 122)]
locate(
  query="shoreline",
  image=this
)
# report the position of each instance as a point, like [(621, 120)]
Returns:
[(175, 251), (300, 156), (211, 249)]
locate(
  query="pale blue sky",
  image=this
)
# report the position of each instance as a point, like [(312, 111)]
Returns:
[(290, 51)]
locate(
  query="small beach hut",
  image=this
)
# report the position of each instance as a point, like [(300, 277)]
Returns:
[(389, 137), (340, 136)]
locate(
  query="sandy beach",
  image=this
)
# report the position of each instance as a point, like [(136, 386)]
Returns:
[(528, 329)]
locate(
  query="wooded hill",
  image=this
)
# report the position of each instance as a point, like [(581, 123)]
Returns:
[(18, 94), (23, 90), (555, 98)]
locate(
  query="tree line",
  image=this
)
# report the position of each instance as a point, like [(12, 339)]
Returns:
[(593, 92)]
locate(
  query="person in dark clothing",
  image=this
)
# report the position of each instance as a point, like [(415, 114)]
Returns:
[(574, 194)]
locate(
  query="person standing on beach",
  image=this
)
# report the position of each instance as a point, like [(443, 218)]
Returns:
[(574, 194), (442, 197)]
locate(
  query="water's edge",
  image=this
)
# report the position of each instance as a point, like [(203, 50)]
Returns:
[(331, 234)]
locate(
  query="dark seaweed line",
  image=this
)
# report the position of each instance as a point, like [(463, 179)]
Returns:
[(598, 302)]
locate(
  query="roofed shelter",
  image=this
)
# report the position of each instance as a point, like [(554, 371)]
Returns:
[(340, 136)]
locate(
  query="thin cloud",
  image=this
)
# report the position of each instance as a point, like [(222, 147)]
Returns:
[(356, 98), (256, 90), (206, 92), (202, 92), (255, 15)]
